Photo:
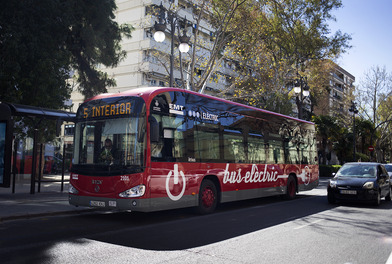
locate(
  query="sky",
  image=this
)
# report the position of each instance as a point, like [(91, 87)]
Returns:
[(369, 22)]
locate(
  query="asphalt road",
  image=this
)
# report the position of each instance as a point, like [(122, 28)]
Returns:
[(270, 230)]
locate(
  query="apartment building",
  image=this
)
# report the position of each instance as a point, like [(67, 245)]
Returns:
[(336, 102), (147, 61), (337, 99)]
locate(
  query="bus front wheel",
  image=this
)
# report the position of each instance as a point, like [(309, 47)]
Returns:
[(208, 197)]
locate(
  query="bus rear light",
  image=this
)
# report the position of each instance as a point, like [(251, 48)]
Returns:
[(136, 191), (72, 189)]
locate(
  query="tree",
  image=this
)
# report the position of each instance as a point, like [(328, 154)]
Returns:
[(259, 76), (383, 134), (373, 97), (327, 129), (43, 42), (343, 146), (282, 40), (364, 129), (201, 64), (220, 14), (372, 90)]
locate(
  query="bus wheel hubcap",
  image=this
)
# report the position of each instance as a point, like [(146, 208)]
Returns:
[(208, 197)]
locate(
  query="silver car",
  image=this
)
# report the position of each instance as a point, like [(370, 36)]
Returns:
[(388, 167)]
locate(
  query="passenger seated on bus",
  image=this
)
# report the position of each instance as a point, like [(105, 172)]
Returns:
[(108, 152)]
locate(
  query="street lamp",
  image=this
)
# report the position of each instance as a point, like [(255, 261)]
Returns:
[(354, 110), (170, 17), (301, 90)]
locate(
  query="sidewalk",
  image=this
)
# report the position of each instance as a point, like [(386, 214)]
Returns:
[(49, 201)]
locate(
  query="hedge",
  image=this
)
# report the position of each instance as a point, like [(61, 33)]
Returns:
[(327, 170)]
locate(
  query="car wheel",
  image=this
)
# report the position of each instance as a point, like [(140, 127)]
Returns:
[(208, 197), (388, 197), (377, 202), (331, 198)]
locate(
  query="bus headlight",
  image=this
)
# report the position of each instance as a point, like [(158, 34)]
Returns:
[(72, 189), (136, 191)]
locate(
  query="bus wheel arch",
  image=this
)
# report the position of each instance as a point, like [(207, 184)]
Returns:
[(209, 195)]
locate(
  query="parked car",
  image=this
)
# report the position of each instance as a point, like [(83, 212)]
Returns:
[(388, 167), (360, 181), (52, 165)]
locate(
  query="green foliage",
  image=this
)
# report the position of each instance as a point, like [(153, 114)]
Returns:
[(327, 170), (46, 128), (334, 135), (328, 130), (42, 42), (32, 70), (360, 157), (274, 40)]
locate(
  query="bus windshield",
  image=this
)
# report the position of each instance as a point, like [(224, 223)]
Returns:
[(109, 146)]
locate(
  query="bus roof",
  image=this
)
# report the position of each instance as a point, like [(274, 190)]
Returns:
[(148, 93)]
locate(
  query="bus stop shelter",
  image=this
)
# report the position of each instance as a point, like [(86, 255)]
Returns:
[(7, 113)]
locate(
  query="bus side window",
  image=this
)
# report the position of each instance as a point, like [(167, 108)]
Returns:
[(275, 152), (167, 138), (206, 143), (233, 144), (256, 149)]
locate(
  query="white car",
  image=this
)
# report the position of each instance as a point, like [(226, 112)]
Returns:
[(388, 167)]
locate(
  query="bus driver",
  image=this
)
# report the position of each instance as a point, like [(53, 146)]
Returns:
[(108, 153)]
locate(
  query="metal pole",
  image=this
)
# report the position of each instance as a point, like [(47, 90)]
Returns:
[(171, 21), (301, 99), (34, 165), (14, 168), (40, 167), (354, 138), (63, 170), (371, 144)]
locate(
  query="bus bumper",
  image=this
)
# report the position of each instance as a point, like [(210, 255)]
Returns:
[(140, 205)]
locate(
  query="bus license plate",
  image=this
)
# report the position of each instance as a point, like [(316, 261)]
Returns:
[(348, 192), (97, 203)]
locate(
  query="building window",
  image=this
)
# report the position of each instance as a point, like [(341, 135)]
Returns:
[(69, 130)]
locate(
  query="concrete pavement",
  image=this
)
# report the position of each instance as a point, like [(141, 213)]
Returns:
[(49, 201)]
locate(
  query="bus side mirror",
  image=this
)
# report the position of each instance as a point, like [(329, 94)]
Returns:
[(154, 129)]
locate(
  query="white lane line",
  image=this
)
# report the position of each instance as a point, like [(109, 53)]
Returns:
[(311, 223), (389, 261)]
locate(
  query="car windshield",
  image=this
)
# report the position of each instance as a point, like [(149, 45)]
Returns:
[(358, 170)]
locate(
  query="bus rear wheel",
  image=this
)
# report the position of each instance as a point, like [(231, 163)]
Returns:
[(291, 188), (208, 197)]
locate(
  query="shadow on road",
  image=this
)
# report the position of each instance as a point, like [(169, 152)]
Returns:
[(169, 230), (182, 229)]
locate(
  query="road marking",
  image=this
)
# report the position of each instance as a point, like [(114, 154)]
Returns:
[(389, 261), (311, 223)]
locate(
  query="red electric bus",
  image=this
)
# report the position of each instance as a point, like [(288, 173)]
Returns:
[(155, 148)]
